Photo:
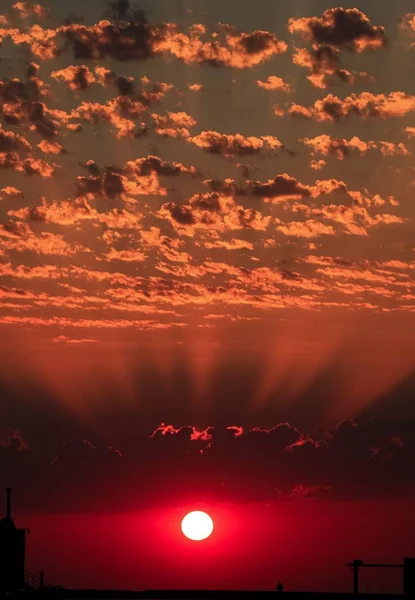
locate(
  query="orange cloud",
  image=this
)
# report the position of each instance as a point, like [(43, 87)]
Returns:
[(125, 255), (341, 147), (274, 83), (354, 219), (284, 187), (234, 244), (87, 323), (49, 147), (306, 229), (174, 124), (240, 50), (30, 166), (213, 212), (118, 111), (62, 213), (76, 77), (63, 339), (28, 9), (195, 87), (364, 105), (10, 192), (20, 238), (42, 42), (230, 145), (408, 22), (138, 40)]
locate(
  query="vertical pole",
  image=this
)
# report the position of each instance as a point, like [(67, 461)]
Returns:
[(355, 578)]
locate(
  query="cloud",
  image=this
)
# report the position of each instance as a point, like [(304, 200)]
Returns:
[(212, 212), (195, 87), (120, 41), (173, 124), (14, 441), (324, 64), (408, 22), (228, 186), (230, 145), (22, 104), (138, 40), (63, 339), (144, 325), (10, 192), (341, 147), (355, 219), (119, 111), (347, 28), (234, 244), (195, 434), (10, 141), (77, 77), (41, 42), (49, 147), (29, 9), (300, 490), (133, 256), (110, 184), (364, 105), (335, 465), (20, 238), (317, 164), (240, 50), (306, 229), (285, 187), (62, 213), (29, 166), (136, 177), (273, 84)]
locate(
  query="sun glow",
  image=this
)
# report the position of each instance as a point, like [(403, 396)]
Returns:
[(197, 525)]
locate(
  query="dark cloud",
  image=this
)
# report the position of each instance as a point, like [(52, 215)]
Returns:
[(351, 461), (230, 145), (109, 184), (344, 27), (10, 141), (282, 186), (121, 41), (364, 105)]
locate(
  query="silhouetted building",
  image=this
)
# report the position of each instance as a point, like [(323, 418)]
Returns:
[(12, 552), (409, 576)]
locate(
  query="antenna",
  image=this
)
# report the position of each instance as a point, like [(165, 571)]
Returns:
[(9, 506)]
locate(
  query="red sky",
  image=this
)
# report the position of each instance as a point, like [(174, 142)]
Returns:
[(206, 286)]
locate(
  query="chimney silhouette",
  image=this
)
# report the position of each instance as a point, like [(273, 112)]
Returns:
[(12, 552), (8, 503)]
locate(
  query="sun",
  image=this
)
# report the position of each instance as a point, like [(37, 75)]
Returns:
[(197, 525)]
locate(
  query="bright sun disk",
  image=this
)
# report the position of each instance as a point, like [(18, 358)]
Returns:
[(197, 525)]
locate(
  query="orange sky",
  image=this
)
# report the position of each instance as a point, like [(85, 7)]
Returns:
[(207, 221)]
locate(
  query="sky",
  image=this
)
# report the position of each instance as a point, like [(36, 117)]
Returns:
[(206, 288)]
